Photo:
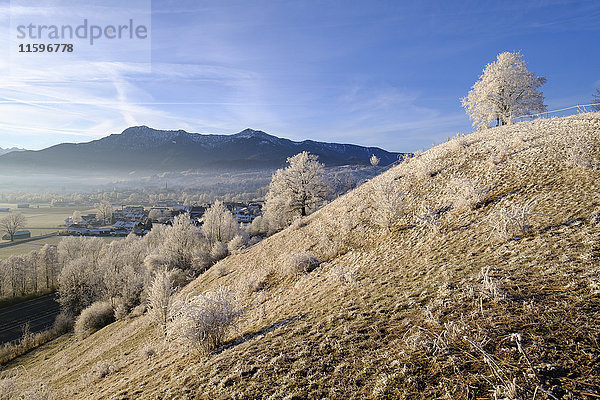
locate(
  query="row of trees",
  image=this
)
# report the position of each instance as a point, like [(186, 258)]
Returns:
[(36, 272)]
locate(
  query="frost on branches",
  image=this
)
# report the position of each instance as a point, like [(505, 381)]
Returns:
[(505, 90), (295, 190)]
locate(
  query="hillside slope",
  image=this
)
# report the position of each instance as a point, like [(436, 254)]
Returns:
[(483, 284)]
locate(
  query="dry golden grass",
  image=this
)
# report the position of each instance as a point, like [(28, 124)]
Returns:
[(437, 306)]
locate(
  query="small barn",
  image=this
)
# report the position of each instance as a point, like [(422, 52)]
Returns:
[(18, 235)]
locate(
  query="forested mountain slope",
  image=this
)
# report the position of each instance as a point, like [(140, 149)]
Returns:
[(145, 149)]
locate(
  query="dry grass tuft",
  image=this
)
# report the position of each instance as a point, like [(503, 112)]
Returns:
[(466, 195), (294, 264)]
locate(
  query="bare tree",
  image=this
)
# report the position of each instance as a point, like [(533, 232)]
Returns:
[(12, 223), (105, 210)]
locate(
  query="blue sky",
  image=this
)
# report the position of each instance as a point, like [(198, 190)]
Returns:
[(376, 73)]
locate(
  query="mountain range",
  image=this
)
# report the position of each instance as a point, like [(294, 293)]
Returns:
[(144, 148), (8, 150)]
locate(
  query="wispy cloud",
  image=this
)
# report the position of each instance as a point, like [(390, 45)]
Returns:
[(388, 74)]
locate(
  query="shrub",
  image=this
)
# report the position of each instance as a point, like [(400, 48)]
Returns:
[(236, 244), (579, 154), (93, 318), (343, 275), (466, 195), (388, 204), (512, 222), (298, 222), (254, 240), (218, 251), (297, 263), (429, 219), (202, 321), (459, 142), (256, 281), (139, 310), (500, 153), (259, 227), (63, 323), (148, 351), (99, 371)]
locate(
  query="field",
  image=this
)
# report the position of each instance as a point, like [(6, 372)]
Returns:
[(40, 220), (26, 247)]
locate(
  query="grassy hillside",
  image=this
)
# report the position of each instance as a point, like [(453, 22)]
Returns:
[(482, 283)]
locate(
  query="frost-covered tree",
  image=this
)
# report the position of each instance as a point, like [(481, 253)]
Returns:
[(72, 248), (11, 224), (76, 217), (374, 160), (219, 224), (123, 275), (15, 273), (295, 190), (160, 296), (505, 90), (158, 214), (181, 243), (48, 263), (78, 286)]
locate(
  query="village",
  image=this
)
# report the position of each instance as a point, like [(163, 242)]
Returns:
[(139, 220)]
